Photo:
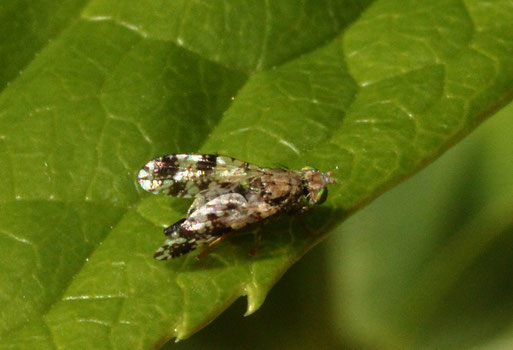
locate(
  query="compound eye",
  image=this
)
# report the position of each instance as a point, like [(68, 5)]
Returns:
[(322, 196)]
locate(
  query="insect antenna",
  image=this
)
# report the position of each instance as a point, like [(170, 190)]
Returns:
[(328, 178)]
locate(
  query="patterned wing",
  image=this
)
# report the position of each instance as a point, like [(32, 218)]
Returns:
[(187, 175), (203, 226), (228, 212)]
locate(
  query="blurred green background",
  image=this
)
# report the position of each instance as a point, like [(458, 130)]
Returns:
[(426, 265)]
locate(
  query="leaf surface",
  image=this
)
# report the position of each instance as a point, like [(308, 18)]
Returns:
[(371, 90)]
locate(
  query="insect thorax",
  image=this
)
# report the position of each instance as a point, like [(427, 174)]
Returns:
[(283, 189)]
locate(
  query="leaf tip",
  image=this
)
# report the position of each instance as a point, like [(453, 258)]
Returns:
[(255, 299)]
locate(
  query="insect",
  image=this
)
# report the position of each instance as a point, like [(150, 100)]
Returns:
[(228, 195)]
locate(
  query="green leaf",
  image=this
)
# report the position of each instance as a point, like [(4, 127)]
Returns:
[(26, 27), (371, 90), (428, 275)]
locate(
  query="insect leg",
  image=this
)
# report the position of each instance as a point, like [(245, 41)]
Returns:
[(300, 218), (215, 242), (258, 240)]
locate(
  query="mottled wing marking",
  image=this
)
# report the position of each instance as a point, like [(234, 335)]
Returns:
[(228, 196), (187, 175), (228, 212), (213, 192), (178, 246), (216, 215), (256, 213), (203, 226)]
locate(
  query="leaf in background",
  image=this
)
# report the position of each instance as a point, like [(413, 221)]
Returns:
[(289, 82), (434, 274)]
